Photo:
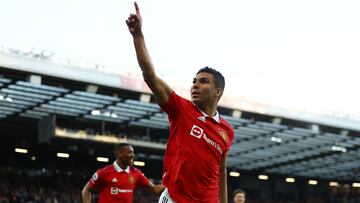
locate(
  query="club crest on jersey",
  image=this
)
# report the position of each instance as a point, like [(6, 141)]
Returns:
[(131, 179), (196, 131), (223, 135)]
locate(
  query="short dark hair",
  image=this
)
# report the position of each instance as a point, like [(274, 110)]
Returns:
[(237, 191), (219, 78), (119, 146)]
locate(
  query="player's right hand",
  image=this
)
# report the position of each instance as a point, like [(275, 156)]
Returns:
[(134, 22)]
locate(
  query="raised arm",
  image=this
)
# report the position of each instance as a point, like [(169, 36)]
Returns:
[(159, 88)]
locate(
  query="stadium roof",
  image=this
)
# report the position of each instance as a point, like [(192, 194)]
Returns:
[(262, 143)]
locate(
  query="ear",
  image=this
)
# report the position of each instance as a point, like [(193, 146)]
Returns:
[(219, 92)]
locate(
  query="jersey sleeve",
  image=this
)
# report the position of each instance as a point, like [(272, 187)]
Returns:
[(173, 105), (96, 180), (142, 179), (230, 140)]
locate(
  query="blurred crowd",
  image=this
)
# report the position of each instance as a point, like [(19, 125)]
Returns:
[(50, 189), (37, 190), (66, 188), (344, 194)]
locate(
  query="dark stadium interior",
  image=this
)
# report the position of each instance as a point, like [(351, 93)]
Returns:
[(36, 113)]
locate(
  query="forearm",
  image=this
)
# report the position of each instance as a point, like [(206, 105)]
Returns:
[(86, 196), (159, 189), (154, 189), (143, 58), (223, 186), (160, 89)]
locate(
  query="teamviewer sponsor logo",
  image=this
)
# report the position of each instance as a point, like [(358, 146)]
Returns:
[(196, 131), (213, 144), (115, 190)]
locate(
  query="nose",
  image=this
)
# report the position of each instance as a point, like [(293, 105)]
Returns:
[(195, 85)]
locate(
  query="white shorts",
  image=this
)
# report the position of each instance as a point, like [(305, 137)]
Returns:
[(165, 197)]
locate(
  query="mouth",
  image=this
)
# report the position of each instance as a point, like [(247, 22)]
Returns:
[(195, 94)]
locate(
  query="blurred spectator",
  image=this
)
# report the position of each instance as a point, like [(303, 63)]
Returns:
[(239, 196)]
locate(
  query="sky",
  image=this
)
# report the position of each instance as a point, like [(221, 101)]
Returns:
[(302, 55)]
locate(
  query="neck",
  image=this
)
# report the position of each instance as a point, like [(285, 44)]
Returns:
[(122, 166), (209, 110)]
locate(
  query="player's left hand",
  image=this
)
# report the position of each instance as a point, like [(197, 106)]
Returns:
[(134, 22)]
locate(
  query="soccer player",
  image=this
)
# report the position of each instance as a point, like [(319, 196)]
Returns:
[(195, 157), (118, 181), (239, 196)]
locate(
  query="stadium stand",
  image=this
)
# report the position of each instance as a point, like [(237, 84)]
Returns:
[(84, 123)]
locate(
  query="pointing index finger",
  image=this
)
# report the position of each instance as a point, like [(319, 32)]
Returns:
[(137, 9)]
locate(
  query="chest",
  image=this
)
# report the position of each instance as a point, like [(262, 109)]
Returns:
[(199, 132), (121, 180)]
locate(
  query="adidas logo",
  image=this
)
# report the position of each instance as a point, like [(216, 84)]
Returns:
[(114, 180), (202, 118)]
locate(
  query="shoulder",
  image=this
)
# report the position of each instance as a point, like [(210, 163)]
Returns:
[(135, 170), (175, 96), (106, 169), (137, 173), (226, 123), (229, 129), (174, 103), (101, 173)]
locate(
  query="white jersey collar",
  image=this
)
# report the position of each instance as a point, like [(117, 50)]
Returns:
[(119, 169), (216, 117)]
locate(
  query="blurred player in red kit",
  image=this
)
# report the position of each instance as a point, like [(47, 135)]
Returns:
[(117, 182)]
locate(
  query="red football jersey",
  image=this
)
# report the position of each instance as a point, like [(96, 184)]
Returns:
[(196, 146), (117, 185)]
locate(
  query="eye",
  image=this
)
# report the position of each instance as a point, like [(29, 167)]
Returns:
[(204, 80)]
